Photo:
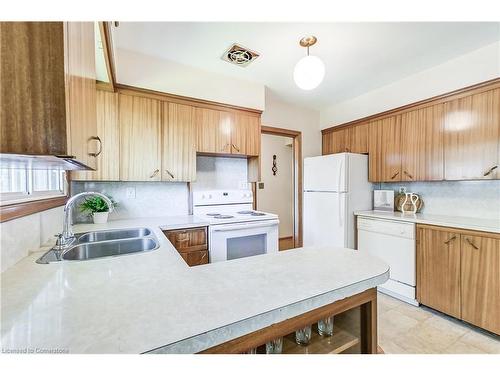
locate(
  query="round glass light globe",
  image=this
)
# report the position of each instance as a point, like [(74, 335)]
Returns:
[(309, 72)]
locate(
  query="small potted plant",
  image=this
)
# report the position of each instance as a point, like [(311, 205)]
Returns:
[(97, 208)]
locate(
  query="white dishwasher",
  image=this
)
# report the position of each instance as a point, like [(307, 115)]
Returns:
[(394, 243)]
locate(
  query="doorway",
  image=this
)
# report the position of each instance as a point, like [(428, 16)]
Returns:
[(280, 188)]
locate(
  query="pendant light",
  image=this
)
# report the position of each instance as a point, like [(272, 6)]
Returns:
[(309, 70)]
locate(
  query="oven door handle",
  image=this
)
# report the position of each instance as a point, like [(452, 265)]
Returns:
[(242, 227)]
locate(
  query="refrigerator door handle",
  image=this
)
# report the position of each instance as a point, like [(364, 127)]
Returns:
[(341, 171)]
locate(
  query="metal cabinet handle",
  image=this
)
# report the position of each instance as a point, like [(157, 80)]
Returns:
[(451, 239), (394, 176), (490, 170), (471, 243), (236, 148), (96, 154), (408, 175), (169, 173), (154, 173)]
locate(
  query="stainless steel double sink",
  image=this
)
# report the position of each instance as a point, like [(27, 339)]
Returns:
[(106, 243)]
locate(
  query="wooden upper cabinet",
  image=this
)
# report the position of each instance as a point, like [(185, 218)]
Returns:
[(179, 143), (81, 93), (438, 269), (140, 138), (384, 148), (471, 137), (32, 91), (108, 133), (480, 281), (358, 139), (336, 141), (245, 135), (213, 131), (422, 144)]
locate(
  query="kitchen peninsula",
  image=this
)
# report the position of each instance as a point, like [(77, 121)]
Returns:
[(154, 302)]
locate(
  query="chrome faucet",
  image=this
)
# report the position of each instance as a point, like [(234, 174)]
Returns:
[(67, 237)]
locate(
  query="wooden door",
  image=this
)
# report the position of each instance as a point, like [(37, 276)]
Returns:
[(438, 269), (213, 131), (108, 133), (32, 90), (358, 139), (480, 281), (179, 143), (81, 109), (245, 135), (140, 138), (422, 144), (471, 137), (384, 149)]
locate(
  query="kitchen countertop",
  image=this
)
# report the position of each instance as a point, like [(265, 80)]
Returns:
[(484, 225), (154, 302)]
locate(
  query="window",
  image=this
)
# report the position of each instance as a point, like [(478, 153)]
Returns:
[(21, 185)]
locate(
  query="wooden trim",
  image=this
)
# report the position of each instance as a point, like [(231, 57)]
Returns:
[(280, 131), (297, 173), (107, 45), (452, 95), (286, 238), (18, 210), (280, 329), (172, 98), (369, 327), (470, 232)]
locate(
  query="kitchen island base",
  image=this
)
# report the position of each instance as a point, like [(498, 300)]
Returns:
[(367, 303)]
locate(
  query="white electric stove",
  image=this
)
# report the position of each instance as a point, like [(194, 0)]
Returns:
[(236, 230)]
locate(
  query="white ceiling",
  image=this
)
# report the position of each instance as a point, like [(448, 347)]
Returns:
[(359, 57)]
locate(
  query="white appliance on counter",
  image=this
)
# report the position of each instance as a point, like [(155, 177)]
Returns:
[(393, 242), (236, 230), (334, 187)]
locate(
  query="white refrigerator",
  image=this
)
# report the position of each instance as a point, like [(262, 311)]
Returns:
[(335, 186)]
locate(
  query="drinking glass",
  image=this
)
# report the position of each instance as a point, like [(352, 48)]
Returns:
[(325, 326), (303, 335), (274, 346)]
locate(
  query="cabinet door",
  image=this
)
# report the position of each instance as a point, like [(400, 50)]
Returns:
[(81, 94), (108, 133), (32, 92), (140, 138), (213, 131), (438, 270), (471, 138), (384, 148), (422, 144), (245, 135), (195, 258), (336, 141), (179, 143), (481, 281), (358, 139)]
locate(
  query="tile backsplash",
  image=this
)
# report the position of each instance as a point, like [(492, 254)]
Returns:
[(479, 199), (150, 199)]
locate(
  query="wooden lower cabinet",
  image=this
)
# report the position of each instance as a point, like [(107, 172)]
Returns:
[(480, 281), (195, 258), (458, 273), (438, 265), (192, 244)]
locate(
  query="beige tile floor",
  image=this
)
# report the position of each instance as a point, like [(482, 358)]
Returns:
[(406, 329)]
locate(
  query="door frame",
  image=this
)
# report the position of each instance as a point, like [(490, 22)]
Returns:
[(297, 177)]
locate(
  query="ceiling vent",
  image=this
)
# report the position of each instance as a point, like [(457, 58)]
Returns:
[(239, 55)]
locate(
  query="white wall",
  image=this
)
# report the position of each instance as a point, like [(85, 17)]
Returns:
[(289, 116), (166, 76), (277, 195), (20, 237), (474, 67)]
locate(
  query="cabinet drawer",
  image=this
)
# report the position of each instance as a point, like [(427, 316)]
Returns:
[(187, 240)]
